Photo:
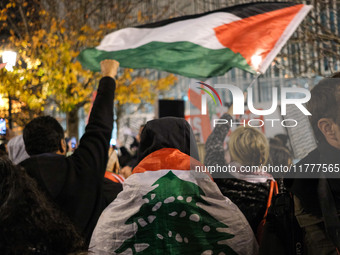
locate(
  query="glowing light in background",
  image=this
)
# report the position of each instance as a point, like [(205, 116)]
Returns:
[(10, 58), (2, 102), (256, 61)]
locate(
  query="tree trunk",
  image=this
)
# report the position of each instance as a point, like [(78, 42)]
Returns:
[(72, 123)]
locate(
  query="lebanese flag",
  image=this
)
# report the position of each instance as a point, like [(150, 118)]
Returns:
[(114, 177), (205, 45), (166, 208)]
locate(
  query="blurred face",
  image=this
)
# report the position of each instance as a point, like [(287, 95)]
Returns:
[(331, 131)]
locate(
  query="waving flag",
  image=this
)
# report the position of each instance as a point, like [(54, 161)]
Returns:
[(166, 208), (205, 45)]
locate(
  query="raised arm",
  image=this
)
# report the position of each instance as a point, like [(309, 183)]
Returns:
[(92, 153), (214, 144)]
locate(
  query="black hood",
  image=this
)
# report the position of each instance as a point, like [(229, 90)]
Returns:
[(168, 132), (50, 171)]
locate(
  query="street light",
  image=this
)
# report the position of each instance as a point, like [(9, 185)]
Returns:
[(10, 58)]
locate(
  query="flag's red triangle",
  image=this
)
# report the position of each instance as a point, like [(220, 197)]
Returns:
[(256, 35)]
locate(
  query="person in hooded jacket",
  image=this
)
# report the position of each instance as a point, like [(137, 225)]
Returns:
[(16, 150), (169, 205), (75, 183)]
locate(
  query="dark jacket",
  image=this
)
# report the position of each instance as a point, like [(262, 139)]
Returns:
[(251, 198), (306, 189), (75, 183)]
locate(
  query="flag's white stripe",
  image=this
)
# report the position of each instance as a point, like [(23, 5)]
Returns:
[(199, 31), (290, 29)]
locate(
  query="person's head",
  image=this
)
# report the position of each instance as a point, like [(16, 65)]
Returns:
[(248, 146), (324, 106), (283, 138), (43, 135), (280, 156), (167, 132), (275, 141), (29, 220)]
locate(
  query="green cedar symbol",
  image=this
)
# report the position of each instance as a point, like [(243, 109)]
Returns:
[(170, 222)]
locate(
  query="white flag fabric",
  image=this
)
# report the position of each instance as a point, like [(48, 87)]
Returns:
[(166, 208)]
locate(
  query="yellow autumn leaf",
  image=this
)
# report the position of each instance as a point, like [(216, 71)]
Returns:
[(48, 59), (35, 81), (82, 38), (44, 79)]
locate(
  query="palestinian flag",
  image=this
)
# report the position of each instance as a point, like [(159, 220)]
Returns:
[(205, 45), (166, 208)]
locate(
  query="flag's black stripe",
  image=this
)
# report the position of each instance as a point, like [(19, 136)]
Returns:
[(242, 11)]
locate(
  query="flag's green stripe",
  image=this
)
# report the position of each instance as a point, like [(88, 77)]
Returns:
[(208, 93), (184, 58)]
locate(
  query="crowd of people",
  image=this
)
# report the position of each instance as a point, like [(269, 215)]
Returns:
[(89, 200)]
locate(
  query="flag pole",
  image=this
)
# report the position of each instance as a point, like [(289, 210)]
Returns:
[(258, 74)]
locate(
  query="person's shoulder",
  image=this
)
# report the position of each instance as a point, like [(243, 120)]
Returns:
[(312, 157), (242, 186), (296, 184), (46, 159)]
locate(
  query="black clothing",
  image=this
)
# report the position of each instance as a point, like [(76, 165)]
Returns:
[(75, 183), (307, 189), (250, 197), (124, 157), (111, 189), (321, 227), (167, 132)]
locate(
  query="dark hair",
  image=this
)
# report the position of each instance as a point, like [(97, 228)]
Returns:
[(279, 155), (125, 157), (42, 135), (283, 138), (324, 102), (29, 222), (275, 141), (3, 150)]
